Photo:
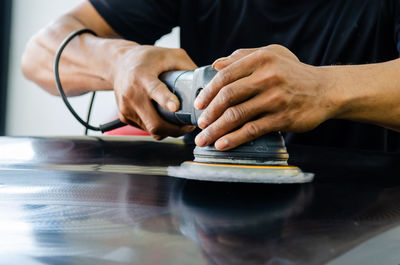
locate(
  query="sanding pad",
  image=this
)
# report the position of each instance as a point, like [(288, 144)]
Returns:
[(240, 173)]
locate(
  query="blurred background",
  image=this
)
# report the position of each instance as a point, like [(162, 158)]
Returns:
[(26, 109)]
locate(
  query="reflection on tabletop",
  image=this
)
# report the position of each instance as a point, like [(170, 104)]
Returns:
[(93, 215)]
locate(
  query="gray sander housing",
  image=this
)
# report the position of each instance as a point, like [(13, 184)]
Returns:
[(186, 85)]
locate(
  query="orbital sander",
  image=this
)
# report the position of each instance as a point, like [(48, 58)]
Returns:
[(264, 160)]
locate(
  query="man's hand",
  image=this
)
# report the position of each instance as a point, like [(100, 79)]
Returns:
[(257, 91), (107, 62), (135, 77)]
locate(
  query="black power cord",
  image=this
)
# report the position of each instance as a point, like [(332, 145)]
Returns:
[(90, 111), (104, 127)]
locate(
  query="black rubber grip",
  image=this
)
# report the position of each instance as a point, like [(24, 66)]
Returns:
[(111, 126)]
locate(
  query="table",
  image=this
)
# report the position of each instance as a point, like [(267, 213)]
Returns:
[(107, 200)]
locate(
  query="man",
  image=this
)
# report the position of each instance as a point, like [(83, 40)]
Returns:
[(332, 75)]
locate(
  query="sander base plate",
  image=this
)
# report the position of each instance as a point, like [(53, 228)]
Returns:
[(240, 173)]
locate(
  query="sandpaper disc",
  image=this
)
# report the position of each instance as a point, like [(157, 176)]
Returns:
[(240, 173)]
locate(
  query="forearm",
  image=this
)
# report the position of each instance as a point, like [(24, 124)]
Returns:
[(368, 93), (85, 63)]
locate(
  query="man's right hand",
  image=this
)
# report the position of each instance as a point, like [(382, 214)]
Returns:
[(135, 77)]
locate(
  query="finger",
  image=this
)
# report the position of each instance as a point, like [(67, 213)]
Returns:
[(223, 62), (155, 125), (159, 92), (232, 118), (249, 132), (228, 96), (132, 121), (126, 113), (237, 70)]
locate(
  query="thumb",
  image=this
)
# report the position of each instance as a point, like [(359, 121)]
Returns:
[(160, 93)]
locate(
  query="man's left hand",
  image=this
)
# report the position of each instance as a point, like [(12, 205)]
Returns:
[(258, 91)]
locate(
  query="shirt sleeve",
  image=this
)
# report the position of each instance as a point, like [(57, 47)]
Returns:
[(142, 21), (396, 8)]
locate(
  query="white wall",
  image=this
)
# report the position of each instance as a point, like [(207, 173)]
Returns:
[(30, 110)]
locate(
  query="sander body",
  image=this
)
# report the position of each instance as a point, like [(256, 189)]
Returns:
[(262, 160)]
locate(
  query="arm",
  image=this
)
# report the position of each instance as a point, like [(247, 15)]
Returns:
[(268, 89), (80, 67), (107, 62), (371, 93)]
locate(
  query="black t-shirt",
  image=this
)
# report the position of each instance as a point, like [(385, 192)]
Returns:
[(319, 32)]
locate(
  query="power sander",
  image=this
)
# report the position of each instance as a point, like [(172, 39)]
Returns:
[(263, 160)]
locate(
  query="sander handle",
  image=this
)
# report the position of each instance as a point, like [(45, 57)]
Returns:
[(179, 83), (186, 85)]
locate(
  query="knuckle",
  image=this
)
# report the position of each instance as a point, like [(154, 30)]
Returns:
[(274, 47), (154, 88), (279, 100), (234, 114), (288, 120), (283, 121), (128, 117), (207, 133), (123, 106), (136, 75), (280, 124), (279, 50), (239, 52), (181, 52), (252, 130), (207, 115), (223, 77), (154, 128), (146, 51), (274, 75), (226, 95), (137, 70), (264, 54), (242, 52), (283, 102)]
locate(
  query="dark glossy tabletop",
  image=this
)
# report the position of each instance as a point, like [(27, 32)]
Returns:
[(108, 201)]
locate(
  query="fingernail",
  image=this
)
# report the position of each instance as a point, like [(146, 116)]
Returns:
[(190, 129), (198, 104), (217, 61), (172, 106), (222, 144), (201, 140)]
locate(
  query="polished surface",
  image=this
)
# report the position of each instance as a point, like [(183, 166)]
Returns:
[(107, 201)]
